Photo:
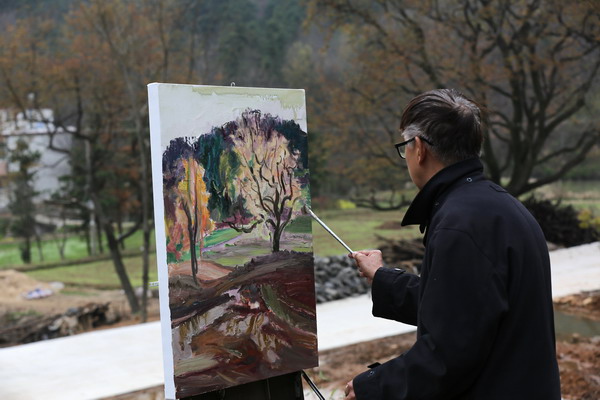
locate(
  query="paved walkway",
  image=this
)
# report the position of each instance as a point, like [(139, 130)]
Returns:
[(575, 269), (105, 363)]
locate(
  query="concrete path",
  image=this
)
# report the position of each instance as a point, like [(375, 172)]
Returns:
[(576, 269), (86, 366), (121, 360)]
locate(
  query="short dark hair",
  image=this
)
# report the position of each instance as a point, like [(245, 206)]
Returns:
[(447, 118)]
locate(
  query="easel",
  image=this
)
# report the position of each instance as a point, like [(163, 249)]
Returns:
[(284, 387)]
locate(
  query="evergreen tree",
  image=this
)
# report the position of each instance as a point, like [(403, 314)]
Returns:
[(21, 199)]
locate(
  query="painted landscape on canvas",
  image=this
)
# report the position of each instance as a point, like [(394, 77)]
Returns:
[(239, 253)]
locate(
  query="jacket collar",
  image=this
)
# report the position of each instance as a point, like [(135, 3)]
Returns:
[(421, 207)]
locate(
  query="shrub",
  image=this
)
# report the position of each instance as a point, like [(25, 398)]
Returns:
[(561, 224)]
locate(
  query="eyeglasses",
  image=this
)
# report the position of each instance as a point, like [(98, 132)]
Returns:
[(401, 147)]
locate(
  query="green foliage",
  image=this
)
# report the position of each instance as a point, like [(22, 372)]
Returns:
[(346, 204), (249, 39), (296, 137), (219, 164), (588, 220), (282, 22), (238, 37)]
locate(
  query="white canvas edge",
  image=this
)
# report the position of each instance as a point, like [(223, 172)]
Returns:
[(161, 238)]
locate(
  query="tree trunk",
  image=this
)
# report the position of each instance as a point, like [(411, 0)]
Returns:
[(113, 244), (115, 252), (26, 251), (276, 239), (146, 203), (61, 244), (87, 237), (145, 272), (192, 229), (99, 235), (38, 242), (120, 228), (194, 258), (88, 241)]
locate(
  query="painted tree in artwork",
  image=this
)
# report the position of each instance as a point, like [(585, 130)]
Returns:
[(192, 217), (267, 179)]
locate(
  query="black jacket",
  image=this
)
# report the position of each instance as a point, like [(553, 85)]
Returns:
[(482, 305)]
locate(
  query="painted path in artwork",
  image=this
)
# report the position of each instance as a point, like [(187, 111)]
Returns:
[(116, 361), (255, 322), (207, 270)]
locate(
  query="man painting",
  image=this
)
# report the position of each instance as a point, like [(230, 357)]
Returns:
[(482, 304)]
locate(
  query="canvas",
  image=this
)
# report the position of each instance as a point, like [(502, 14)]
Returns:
[(234, 251)]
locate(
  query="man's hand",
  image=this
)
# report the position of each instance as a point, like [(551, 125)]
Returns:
[(349, 391), (368, 262)]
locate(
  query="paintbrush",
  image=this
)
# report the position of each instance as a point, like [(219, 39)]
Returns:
[(307, 210)]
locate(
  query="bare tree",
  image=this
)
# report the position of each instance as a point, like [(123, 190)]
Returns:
[(267, 175), (533, 63)]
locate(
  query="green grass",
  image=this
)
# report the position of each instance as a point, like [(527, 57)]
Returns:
[(97, 274), (220, 236), (75, 248), (11, 255)]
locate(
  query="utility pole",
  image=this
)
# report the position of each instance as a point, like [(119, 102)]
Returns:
[(90, 203)]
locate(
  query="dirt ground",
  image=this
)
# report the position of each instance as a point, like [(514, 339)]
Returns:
[(16, 285), (48, 301), (578, 357)]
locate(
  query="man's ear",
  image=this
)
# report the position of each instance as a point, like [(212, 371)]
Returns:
[(421, 150)]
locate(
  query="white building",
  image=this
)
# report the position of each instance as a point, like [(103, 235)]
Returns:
[(36, 127)]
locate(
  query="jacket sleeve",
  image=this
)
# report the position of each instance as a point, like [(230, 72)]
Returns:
[(395, 295), (459, 312)]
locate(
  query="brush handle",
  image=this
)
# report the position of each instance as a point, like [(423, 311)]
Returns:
[(312, 214)]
